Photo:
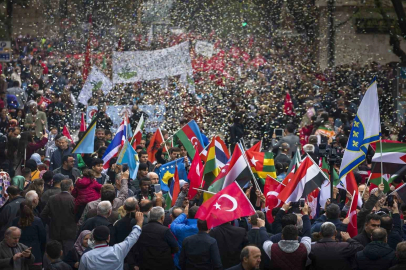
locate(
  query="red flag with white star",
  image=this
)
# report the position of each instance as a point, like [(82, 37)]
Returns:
[(227, 205), (272, 189)]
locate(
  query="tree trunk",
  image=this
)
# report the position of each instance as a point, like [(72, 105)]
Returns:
[(9, 18), (400, 12)]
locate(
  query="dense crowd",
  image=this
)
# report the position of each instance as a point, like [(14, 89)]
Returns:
[(64, 211)]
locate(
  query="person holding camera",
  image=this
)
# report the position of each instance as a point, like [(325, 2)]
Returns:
[(145, 191)]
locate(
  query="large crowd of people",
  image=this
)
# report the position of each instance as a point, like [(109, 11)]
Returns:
[(64, 211)]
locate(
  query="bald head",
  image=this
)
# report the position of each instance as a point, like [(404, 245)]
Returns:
[(130, 204), (250, 257), (176, 211), (379, 234), (146, 205)]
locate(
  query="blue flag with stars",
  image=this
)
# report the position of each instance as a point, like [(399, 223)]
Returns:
[(167, 170), (366, 129)]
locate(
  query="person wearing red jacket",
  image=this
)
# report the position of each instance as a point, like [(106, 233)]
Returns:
[(86, 190)]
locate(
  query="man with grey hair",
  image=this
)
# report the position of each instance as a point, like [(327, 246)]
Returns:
[(330, 254), (153, 177), (36, 120), (401, 255), (156, 243), (14, 255), (63, 149), (59, 214), (104, 209), (33, 197)]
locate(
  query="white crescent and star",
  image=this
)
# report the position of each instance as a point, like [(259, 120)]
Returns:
[(233, 200), (194, 138), (274, 193), (353, 213), (198, 169)]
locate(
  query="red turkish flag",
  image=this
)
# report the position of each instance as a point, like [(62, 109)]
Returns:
[(195, 176), (352, 215), (227, 205), (272, 189), (288, 106)]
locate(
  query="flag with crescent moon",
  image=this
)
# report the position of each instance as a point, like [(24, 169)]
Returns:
[(272, 189), (191, 138), (227, 205)]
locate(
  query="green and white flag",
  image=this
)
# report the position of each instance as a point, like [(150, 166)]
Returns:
[(95, 81), (393, 158)]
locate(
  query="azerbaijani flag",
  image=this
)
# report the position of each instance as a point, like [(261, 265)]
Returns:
[(262, 164), (191, 138)]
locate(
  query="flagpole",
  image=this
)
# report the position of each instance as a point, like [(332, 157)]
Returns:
[(276, 180), (366, 185), (198, 189), (397, 189), (205, 148), (380, 142), (132, 139), (353, 196), (162, 138), (248, 165)]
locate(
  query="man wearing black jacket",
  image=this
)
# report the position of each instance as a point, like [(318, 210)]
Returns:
[(156, 244), (377, 254), (230, 240), (373, 221), (330, 254), (10, 209)]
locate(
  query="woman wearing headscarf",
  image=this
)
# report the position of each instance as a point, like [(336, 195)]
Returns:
[(74, 255)]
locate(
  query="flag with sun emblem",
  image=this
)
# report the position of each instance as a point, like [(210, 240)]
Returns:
[(366, 129), (167, 171)]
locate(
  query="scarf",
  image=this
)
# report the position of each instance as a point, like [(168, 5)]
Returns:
[(78, 244)]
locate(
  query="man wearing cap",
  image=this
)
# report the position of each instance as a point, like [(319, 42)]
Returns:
[(108, 257), (283, 157), (55, 189), (59, 213)]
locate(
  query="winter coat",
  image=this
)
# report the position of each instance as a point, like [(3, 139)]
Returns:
[(376, 256), (86, 190), (8, 213), (33, 236)]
